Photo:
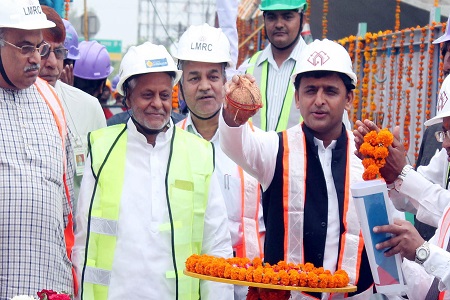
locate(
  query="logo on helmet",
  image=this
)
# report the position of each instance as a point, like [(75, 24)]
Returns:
[(155, 63), (442, 101), (318, 58), (201, 46), (32, 9)]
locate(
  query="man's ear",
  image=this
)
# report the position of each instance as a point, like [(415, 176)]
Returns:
[(349, 100), (297, 100)]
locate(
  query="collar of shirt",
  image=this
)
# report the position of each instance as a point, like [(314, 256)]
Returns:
[(268, 55), (190, 127), (161, 140)]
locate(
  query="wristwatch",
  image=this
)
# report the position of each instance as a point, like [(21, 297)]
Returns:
[(398, 182), (422, 253)]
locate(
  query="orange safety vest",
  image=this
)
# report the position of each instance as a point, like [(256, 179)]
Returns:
[(250, 197), (53, 102), (294, 178)]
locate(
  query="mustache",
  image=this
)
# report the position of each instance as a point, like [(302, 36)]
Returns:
[(34, 67)]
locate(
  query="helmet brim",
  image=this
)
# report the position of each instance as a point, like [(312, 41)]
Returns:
[(30, 25)]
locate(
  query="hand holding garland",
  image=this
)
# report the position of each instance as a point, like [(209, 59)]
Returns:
[(396, 159)]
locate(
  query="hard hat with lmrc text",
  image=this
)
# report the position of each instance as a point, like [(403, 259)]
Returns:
[(204, 43), (299, 5), (325, 55), (71, 41), (94, 62), (146, 58), (23, 14)]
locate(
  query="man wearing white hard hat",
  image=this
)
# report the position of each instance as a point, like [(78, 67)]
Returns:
[(149, 197), (36, 162), (427, 264), (202, 88), (429, 145), (306, 171)]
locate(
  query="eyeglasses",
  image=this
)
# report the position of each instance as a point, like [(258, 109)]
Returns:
[(28, 50), (441, 135), (60, 53)]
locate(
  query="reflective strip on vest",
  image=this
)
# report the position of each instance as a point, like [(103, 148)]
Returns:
[(294, 175), (261, 76), (53, 102), (186, 187), (251, 246)]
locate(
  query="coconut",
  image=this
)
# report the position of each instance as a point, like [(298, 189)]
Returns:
[(244, 99)]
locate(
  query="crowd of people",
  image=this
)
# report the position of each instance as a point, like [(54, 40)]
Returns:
[(105, 204)]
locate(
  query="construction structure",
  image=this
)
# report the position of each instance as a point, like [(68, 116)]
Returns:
[(163, 21)]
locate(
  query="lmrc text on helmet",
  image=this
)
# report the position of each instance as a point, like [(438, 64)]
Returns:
[(201, 46), (32, 10)]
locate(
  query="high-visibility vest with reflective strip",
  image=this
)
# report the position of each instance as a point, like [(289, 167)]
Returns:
[(261, 75), (187, 188), (294, 178), (53, 102), (251, 246)]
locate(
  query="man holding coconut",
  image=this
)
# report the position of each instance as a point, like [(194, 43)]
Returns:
[(306, 171)]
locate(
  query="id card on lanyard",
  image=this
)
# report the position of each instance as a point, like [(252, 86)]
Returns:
[(79, 152)]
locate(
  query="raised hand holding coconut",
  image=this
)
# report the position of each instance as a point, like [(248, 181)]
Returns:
[(242, 100)]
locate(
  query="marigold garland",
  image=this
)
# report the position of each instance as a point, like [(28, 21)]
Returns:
[(373, 82), (382, 79), (287, 274), (400, 78), (397, 15), (391, 79), (375, 150), (419, 91), (324, 19)]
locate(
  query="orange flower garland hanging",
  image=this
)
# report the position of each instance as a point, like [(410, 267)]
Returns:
[(400, 78), (391, 79), (397, 15), (324, 19), (365, 80), (382, 79), (419, 91), (407, 121), (359, 47), (66, 9), (375, 150), (430, 72), (373, 82)]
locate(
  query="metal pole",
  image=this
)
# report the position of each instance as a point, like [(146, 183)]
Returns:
[(86, 23)]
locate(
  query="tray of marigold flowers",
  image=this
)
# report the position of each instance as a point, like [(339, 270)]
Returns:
[(258, 274)]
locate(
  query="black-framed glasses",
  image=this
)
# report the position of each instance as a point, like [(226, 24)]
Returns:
[(441, 135), (60, 53), (28, 50)]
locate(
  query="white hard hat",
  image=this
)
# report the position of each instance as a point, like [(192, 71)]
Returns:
[(325, 55), (204, 43), (443, 104), (23, 14), (445, 37), (146, 58)]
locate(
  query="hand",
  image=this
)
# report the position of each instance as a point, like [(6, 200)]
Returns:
[(67, 75), (396, 159), (232, 115), (405, 241)]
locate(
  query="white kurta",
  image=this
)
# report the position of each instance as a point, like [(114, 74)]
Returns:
[(426, 195), (143, 252), (419, 278), (230, 185), (83, 114)]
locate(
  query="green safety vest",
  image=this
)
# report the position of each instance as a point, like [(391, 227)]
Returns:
[(187, 188), (283, 118)]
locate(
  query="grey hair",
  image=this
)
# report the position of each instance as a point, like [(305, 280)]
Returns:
[(181, 66)]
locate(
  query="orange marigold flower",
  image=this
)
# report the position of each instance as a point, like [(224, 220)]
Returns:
[(258, 274), (313, 280), (380, 152), (366, 149), (371, 138), (385, 137), (323, 280)]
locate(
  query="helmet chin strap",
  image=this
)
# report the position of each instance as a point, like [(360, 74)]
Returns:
[(293, 42), (3, 72)]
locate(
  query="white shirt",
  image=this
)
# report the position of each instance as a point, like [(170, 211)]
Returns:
[(83, 114), (143, 253), (256, 152), (419, 278), (423, 192), (230, 185)]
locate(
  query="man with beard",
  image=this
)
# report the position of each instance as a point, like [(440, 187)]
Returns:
[(36, 161)]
